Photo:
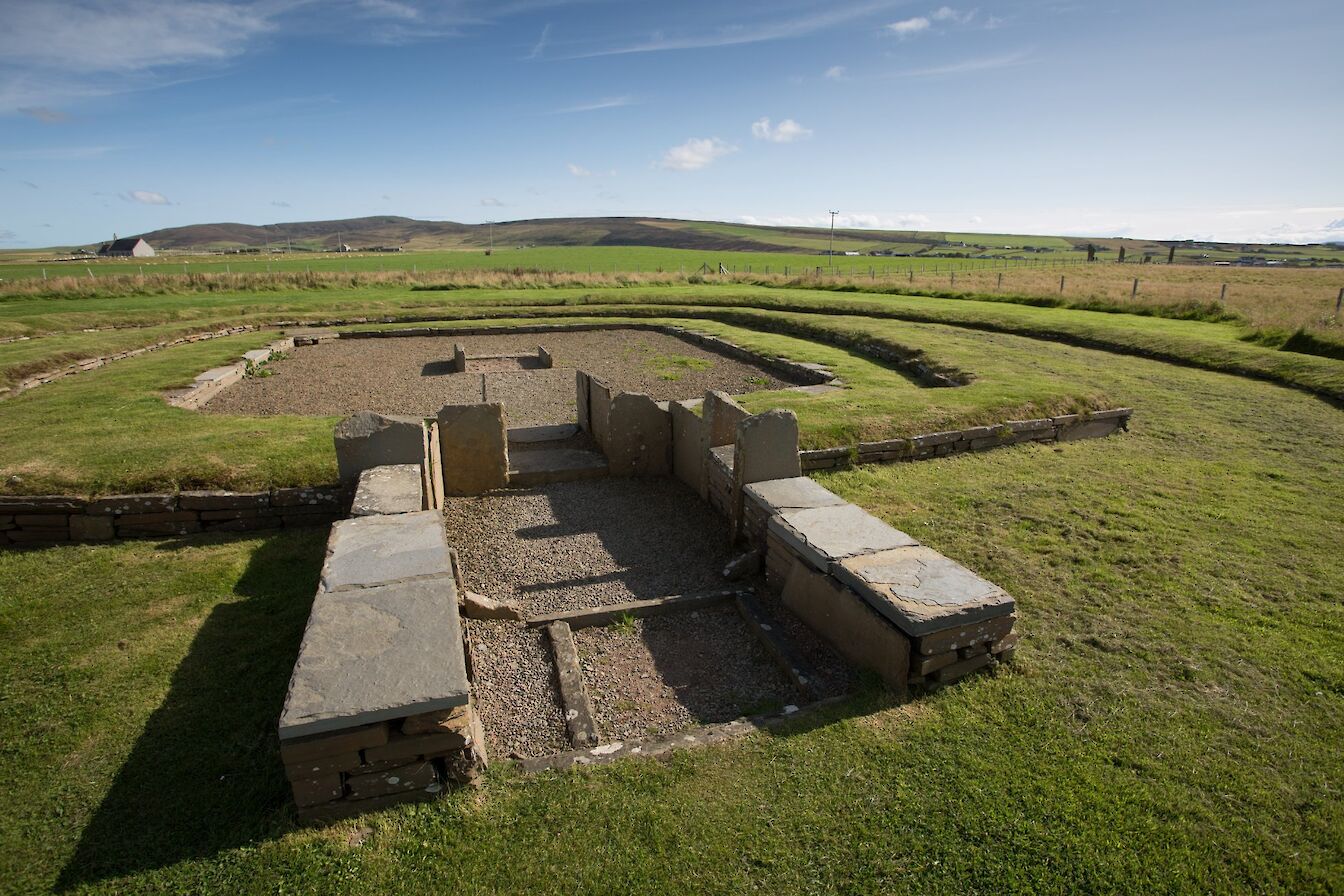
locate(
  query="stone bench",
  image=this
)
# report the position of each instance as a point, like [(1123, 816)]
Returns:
[(378, 708), (395, 488)]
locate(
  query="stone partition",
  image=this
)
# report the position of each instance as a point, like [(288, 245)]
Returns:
[(721, 415), (690, 444), (473, 448), (210, 383), (582, 392), (639, 440), (599, 410), (366, 439)]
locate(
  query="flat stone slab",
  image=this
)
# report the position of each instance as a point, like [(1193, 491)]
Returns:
[(523, 435), (396, 488), (826, 535), (258, 355), (797, 493), (376, 654), (922, 591), (221, 375), (529, 468), (377, 550)]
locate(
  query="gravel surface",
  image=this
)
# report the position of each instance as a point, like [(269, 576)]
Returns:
[(585, 544), (408, 375), (515, 690), (667, 673), (834, 676)]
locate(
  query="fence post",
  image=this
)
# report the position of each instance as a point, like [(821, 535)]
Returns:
[(912, 275), (1222, 296), (1134, 291), (1000, 286), (1061, 284), (44, 273), (954, 278), (1339, 301)]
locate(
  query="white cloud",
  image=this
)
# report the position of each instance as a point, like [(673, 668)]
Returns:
[(787, 131), (578, 170), (835, 73), (907, 27), (491, 202), (948, 14), (695, 153), (146, 197), (976, 219), (859, 221), (279, 203)]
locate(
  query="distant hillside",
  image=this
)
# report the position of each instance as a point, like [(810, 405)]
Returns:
[(415, 235)]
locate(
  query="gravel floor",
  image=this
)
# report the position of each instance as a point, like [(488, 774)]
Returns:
[(667, 673), (409, 375), (515, 690), (586, 544)]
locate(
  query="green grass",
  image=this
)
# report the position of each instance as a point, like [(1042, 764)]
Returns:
[(577, 259), (1171, 723)]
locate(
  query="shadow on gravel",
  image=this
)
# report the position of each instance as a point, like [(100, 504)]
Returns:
[(205, 774)]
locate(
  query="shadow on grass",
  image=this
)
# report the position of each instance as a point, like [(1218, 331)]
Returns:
[(205, 774)]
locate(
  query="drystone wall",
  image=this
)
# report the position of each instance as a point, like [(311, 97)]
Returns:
[(1066, 428), (44, 519)]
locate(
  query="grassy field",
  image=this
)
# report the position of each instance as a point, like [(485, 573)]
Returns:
[(1171, 723), (577, 259)]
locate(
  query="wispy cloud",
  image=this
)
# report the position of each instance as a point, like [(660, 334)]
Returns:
[(31, 185), (965, 66), (44, 114), (948, 14), (146, 197), (278, 203), (540, 46), (578, 170), (57, 153), (835, 73), (695, 153), (858, 221), (787, 131), (737, 33), (611, 102), (907, 27), (491, 202)]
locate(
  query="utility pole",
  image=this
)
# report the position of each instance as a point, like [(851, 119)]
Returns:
[(830, 249)]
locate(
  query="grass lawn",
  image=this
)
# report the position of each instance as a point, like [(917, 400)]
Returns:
[(1171, 724)]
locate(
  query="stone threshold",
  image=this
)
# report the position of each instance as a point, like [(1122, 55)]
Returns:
[(662, 745), (610, 613)]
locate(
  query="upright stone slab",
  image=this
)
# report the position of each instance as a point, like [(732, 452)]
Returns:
[(639, 442), (397, 488), (473, 448), (375, 550), (581, 391), (599, 410), (544, 358), (690, 444), (459, 358), (922, 591), (849, 624), (825, 535), (722, 415), (767, 448), (374, 654), (366, 440)]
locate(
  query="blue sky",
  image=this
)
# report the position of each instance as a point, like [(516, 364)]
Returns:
[(1155, 119)]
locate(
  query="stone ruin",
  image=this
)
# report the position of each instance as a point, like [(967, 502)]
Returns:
[(380, 707)]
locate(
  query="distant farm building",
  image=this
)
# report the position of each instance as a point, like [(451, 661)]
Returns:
[(130, 246)]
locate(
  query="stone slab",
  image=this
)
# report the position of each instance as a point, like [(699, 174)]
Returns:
[(304, 749), (375, 550), (639, 438), (826, 535), (473, 448), (599, 410), (721, 415), (397, 488), (922, 591), (415, 776), (690, 443), (581, 390), (795, 493), (767, 447), (849, 624), (257, 356), (556, 432), (549, 465), (366, 440), (377, 654)]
